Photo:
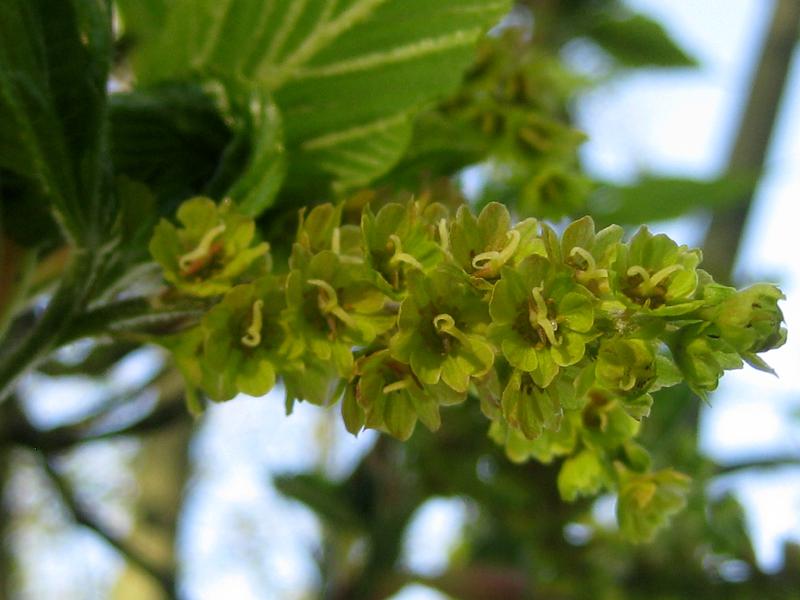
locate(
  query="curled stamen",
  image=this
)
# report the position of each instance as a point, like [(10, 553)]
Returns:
[(252, 337), (538, 317), (493, 260), (661, 275), (591, 265), (444, 235), (328, 302), (402, 257), (591, 271), (651, 281), (444, 323), (343, 316), (396, 386), (641, 272), (541, 305), (628, 383), (328, 299), (202, 249)]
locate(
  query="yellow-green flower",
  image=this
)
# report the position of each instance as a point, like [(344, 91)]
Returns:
[(211, 252)]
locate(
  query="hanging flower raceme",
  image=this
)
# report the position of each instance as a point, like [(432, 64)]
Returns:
[(563, 339)]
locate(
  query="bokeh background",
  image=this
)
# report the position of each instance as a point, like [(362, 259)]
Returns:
[(239, 537)]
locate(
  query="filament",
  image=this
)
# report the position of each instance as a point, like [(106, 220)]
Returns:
[(252, 337), (202, 249)]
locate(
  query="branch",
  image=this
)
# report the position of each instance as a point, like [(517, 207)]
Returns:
[(775, 462), (67, 302), (133, 314), (82, 516), (756, 128), (64, 438)]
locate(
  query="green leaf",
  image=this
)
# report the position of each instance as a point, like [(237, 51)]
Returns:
[(638, 41), (659, 198), (170, 138), (327, 499), (347, 76), (257, 186), (54, 59)]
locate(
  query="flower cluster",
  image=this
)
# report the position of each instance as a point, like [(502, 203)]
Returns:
[(562, 338)]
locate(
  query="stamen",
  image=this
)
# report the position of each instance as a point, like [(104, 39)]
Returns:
[(202, 249), (591, 265), (661, 275), (492, 260), (538, 317), (396, 386), (328, 302), (649, 282), (252, 337), (541, 305), (336, 238), (628, 383), (641, 272), (591, 271), (402, 257), (328, 298), (444, 323), (444, 235)]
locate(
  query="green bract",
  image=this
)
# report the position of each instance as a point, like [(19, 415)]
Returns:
[(626, 367), (243, 339), (751, 321), (530, 408), (211, 252), (703, 356), (655, 275), (441, 329), (321, 229), (333, 306), (541, 318), (647, 501)]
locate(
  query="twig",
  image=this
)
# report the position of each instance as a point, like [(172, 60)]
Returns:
[(165, 579), (63, 438), (756, 128), (775, 462)]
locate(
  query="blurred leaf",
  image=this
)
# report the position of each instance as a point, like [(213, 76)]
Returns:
[(659, 198), (169, 138), (257, 186), (54, 59), (581, 475), (323, 497), (346, 76), (638, 41)]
